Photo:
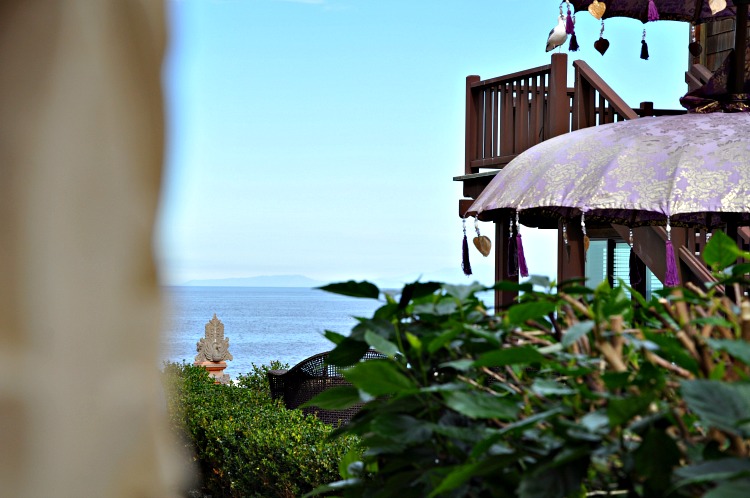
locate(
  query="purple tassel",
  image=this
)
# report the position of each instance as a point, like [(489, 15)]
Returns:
[(671, 279), (522, 269), (569, 24), (653, 14), (512, 257), (635, 272), (573, 47), (465, 264), (644, 50)]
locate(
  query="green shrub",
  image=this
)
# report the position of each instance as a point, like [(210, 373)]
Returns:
[(244, 443), (567, 393)]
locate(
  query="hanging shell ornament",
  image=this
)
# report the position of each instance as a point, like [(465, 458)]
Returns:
[(483, 245), (597, 9), (717, 6)]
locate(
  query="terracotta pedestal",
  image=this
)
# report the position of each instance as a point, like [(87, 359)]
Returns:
[(215, 370)]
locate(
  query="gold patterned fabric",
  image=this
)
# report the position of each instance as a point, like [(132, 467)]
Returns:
[(693, 168)]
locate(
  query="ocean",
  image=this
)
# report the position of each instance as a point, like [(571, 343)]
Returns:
[(262, 323)]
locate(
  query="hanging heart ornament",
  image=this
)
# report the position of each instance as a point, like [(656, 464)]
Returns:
[(601, 45), (695, 49), (717, 6), (483, 245), (597, 9)]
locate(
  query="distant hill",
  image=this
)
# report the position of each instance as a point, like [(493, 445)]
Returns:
[(260, 281)]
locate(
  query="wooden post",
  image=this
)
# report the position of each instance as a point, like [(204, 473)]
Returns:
[(472, 106), (503, 299), (570, 258), (611, 244), (559, 103), (647, 109), (583, 103)]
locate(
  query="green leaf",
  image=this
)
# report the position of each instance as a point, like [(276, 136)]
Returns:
[(402, 428), (381, 344), (545, 387), (719, 404), (560, 478), (347, 352), (460, 365), (387, 312), (463, 292), (712, 470), (334, 486), (474, 404), (654, 459), (609, 302), (713, 320), (379, 377), (737, 349), (620, 410), (353, 289), (414, 341), (445, 306), (595, 422), (417, 290), (441, 340), (334, 337), (520, 313), (456, 477), (514, 427), (577, 331), (740, 269), (616, 380), (732, 489), (348, 464), (336, 398), (540, 281), (671, 349), (510, 356), (720, 251)]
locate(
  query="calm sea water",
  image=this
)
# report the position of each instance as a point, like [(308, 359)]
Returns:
[(262, 323)]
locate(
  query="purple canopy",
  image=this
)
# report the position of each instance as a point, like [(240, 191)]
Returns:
[(692, 168)]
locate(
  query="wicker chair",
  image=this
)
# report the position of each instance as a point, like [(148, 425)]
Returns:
[(309, 378)]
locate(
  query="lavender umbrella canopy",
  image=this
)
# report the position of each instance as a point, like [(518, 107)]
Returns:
[(691, 168)]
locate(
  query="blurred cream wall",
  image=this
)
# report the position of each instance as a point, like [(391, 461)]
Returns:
[(81, 146)]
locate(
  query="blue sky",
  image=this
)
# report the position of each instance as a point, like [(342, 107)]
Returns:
[(320, 137)]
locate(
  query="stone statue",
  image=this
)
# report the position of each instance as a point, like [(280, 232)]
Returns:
[(214, 347)]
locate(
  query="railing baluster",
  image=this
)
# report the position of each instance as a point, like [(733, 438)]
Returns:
[(506, 124), (487, 125), (522, 117), (534, 112), (495, 121)]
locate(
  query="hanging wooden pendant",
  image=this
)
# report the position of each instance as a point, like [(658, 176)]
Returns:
[(483, 245), (597, 9)]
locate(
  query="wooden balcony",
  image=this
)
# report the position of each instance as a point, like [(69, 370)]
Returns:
[(509, 114)]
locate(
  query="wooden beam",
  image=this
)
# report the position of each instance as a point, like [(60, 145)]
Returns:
[(503, 299), (559, 104), (472, 105), (570, 258)]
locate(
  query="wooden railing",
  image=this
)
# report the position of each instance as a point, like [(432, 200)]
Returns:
[(509, 114), (595, 103)]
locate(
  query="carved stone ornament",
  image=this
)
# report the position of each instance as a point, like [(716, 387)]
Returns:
[(214, 347)]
